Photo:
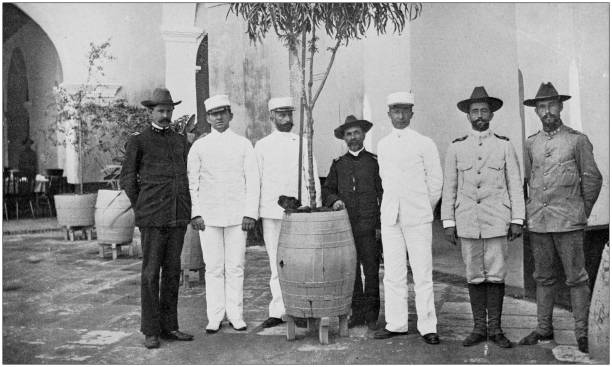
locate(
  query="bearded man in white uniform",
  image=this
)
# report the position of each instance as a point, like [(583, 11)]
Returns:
[(277, 158), (224, 188), (412, 182)]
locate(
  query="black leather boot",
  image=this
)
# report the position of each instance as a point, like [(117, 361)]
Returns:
[(478, 300), (495, 301)]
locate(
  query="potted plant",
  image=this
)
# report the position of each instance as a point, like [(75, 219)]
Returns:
[(73, 106)]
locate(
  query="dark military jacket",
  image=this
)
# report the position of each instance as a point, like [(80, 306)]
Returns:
[(564, 181), (154, 177), (356, 181)]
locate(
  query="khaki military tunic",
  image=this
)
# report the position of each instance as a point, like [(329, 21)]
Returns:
[(482, 186)]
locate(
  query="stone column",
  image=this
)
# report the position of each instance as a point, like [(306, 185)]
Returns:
[(182, 39)]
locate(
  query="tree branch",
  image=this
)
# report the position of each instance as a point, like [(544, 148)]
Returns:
[(331, 62)]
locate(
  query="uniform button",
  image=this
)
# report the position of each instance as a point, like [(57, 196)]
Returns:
[(545, 173), (545, 204), (480, 158), (544, 189), (478, 172), (478, 186), (478, 202), (479, 143)]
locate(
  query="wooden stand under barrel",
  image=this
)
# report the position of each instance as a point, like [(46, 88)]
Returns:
[(86, 232), (191, 256), (316, 268)]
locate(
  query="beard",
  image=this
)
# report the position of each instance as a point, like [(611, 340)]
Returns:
[(550, 122), (480, 125), (284, 127)]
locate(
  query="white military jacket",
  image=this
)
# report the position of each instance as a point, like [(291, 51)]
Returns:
[(483, 189), (277, 158), (411, 177), (223, 179)]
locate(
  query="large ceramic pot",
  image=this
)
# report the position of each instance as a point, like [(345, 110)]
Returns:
[(316, 264), (114, 217), (599, 314), (75, 210)]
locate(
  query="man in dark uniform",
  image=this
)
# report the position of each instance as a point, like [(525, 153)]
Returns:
[(154, 177), (353, 183)]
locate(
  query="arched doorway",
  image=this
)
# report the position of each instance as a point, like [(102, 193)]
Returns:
[(202, 85), (16, 113)]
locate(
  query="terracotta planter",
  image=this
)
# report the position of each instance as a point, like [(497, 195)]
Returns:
[(114, 217), (75, 210)]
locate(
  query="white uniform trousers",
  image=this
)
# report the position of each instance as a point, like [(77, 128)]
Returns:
[(416, 239), (224, 249), (271, 233)]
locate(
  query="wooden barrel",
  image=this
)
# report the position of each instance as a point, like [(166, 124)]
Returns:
[(75, 210), (191, 256), (114, 217), (599, 313), (316, 263)]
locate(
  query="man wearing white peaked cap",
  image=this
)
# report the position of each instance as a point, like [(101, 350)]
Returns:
[(277, 158), (224, 188), (412, 182)]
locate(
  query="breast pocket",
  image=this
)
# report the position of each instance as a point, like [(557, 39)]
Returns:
[(495, 173), (568, 173), (464, 169)]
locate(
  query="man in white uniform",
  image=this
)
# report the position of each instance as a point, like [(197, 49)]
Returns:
[(277, 158), (224, 188), (412, 182)]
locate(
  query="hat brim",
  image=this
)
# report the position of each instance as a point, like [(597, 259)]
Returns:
[(533, 102), (365, 125), (494, 103), (279, 109), (149, 103), (218, 109)]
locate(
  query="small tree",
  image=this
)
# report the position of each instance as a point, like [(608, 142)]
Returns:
[(73, 106), (297, 26)]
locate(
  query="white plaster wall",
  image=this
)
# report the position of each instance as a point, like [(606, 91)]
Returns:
[(136, 42), (551, 37)]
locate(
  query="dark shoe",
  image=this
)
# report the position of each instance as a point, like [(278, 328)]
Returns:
[(583, 344), (242, 328), (213, 331), (271, 322), (534, 338), (373, 325), (151, 341), (501, 341), (473, 339), (386, 334), (355, 322), (176, 335), (431, 338)]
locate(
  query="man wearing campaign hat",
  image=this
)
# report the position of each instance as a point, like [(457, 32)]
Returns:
[(224, 187), (154, 177), (482, 204), (353, 183), (412, 179), (564, 183), (277, 157)]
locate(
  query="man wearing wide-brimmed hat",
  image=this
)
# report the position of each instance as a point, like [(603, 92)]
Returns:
[(154, 177), (224, 188), (354, 183), (482, 204), (28, 161), (278, 161), (564, 183), (412, 179)]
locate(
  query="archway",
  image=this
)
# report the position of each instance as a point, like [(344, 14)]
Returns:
[(17, 114), (202, 85)]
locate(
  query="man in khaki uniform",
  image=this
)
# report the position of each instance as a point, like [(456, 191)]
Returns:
[(564, 183), (482, 204)]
